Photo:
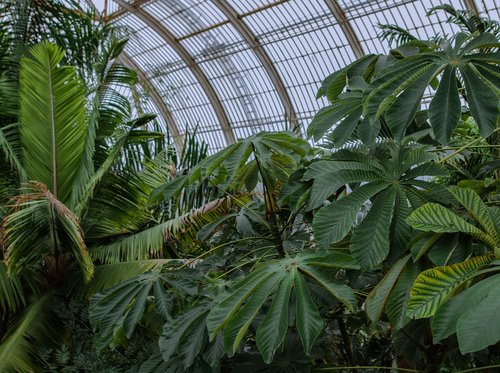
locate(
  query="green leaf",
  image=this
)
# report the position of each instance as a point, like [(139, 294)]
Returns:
[(483, 40), (168, 191), (122, 305), (377, 299), (376, 225), (329, 260), (162, 300), (432, 287), (333, 85), (444, 110), (333, 222), (150, 242), (343, 130), (53, 119), (185, 334), (483, 102), (477, 209), (215, 351), (446, 318), (402, 111), (400, 232), (398, 301), (236, 328), (426, 169), (327, 117), (53, 229), (309, 321), (237, 309), (340, 291), (193, 342), (432, 217), (109, 275), (11, 290), (271, 331), (222, 312), (9, 145), (328, 183), (479, 327), (36, 326), (135, 313), (389, 85)]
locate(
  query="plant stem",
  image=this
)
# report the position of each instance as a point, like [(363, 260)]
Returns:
[(347, 342), (462, 148), (479, 368), (270, 212), (369, 367)]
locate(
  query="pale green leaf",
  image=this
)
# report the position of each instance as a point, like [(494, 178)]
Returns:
[(433, 286)]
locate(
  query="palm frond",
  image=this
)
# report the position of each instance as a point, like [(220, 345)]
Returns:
[(53, 231), (109, 275), (53, 120), (17, 352), (467, 20), (10, 144), (395, 34), (150, 242), (11, 290)]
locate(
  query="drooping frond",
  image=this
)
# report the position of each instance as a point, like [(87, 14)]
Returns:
[(467, 20), (108, 275), (17, 351), (9, 144), (53, 119), (41, 226), (11, 290), (149, 243), (114, 155), (395, 35), (109, 109)]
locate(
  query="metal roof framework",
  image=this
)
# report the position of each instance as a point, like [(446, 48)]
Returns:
[(230, 68)]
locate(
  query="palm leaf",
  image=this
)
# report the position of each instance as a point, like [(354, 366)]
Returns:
[(53, 120), (9, 143), (53, 231), (109, 275), (150, 242), (35, 326), (11, 291)]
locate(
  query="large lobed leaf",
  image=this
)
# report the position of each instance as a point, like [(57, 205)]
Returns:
[(437, 218), (236, 309)]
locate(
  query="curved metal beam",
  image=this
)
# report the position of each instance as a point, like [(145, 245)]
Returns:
[(189, 61), (235, 19), (346, 26), (157, 99), (471, 5)]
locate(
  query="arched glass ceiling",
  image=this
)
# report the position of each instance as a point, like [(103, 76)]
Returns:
[(236, 67)]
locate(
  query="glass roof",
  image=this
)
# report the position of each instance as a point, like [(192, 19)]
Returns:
[(235, 67)]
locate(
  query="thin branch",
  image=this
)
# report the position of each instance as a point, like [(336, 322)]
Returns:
[(479, 368), (369, 367), (462, 148)]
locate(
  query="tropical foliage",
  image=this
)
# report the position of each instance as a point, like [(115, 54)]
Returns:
[(379, 247)]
